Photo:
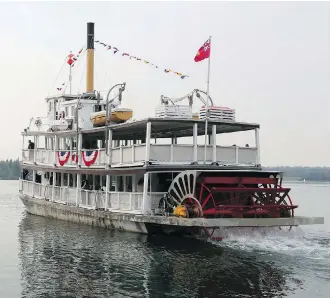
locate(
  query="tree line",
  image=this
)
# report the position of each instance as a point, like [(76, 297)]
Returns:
[(10, 170), (304, 173)]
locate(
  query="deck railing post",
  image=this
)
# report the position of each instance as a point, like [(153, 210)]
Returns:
[(107, 190), (23, 158), (79, 143), (71, 161), (55, 149), (214, 142), (257, 145), (132, 153), (237, 155), (35, 149), (130, 201), (53, 186), (148, 141), (195, 142), (110, 150), (78, 192), (33, 181), (146, 197)]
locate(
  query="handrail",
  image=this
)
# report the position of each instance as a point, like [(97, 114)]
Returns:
[(243, 155)]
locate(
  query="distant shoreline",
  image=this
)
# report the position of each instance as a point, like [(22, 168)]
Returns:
[(11, 170)]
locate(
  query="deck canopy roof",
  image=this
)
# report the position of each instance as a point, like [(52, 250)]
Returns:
[(160, 128)]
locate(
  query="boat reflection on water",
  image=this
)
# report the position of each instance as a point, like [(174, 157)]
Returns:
[(60, 259)]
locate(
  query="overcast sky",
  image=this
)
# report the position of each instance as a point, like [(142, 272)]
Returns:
[(269, 61)]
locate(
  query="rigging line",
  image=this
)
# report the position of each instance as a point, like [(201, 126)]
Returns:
[(80, 56), (57, 76), (81, 79), (152, 64)]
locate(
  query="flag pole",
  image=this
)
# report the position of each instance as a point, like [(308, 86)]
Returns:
[(70, 79), (207, 105)]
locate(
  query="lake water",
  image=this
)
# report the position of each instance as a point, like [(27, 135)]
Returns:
[(40, 257)]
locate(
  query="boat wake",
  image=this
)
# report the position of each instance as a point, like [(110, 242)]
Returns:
[(282, 242)]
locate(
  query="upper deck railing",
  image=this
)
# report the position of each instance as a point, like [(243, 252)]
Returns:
[(136, 155), (147, 152)]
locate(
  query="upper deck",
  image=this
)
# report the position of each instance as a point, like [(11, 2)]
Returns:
[(141, 142), (160, 128)]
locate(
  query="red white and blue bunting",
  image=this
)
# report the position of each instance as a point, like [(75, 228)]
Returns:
[(63, 157), (115, 50), (74, 158), (89, 157)]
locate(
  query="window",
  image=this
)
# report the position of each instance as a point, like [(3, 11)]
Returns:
[(72, 111), (49, 106), (66, 113), (97, 108)]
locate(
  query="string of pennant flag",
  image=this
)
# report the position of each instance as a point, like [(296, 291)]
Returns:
[(124, 54), (71, 60)]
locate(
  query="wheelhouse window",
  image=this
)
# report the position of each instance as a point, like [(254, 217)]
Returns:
[(97, 108)]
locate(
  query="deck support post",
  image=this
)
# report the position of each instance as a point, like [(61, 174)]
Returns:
[(23, 156), (78, 189), (35, 149), (214, 142), (72, 161), (109, 147), (257, 145), (53, 186), (33, 181), (146, 198), (148, 141), (195, 142), (79, 143), (134, 183), (56, 141), (107, 190), (93, 182)]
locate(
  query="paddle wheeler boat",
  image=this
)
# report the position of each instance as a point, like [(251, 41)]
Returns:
[(91, 163)]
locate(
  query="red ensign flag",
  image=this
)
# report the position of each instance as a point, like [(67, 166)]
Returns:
[(204, 52)]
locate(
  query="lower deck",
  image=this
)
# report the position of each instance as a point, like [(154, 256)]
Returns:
[(190, 193), (145, 201)]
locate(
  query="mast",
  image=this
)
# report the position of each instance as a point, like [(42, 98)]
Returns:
[(207, 106), (90, 58)]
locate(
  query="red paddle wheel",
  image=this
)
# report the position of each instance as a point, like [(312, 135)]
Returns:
[(217, 195), (239, 197)]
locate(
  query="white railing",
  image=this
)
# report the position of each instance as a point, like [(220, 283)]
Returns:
[(131, 202), (135, 154), (154, 199), (44, 156), (36, 190), (126, 201), (128, 154)]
